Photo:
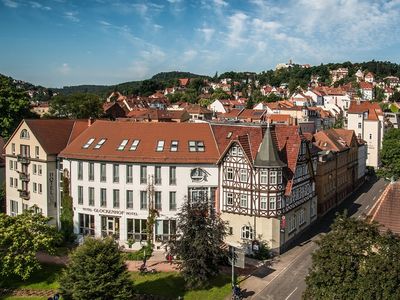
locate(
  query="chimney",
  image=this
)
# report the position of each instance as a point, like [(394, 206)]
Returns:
[(90, 121)]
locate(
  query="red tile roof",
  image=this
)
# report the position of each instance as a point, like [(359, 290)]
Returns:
[(149, 134), (372, 108), (366, 85), (54, 135), (387, 209)]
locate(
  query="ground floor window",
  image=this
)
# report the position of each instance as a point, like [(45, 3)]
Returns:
[(247, 232), (137, 229), (86, 224), (292, 223), (165, 230), (301, 217), (110, 227), (14, 208)]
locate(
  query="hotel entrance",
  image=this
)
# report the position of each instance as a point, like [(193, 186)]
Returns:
[(110, 226)]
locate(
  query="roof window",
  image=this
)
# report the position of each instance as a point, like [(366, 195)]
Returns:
[(122, 145), (100, 143), (196, 146), (134, 145), (88, 143), (174, 146), (160, 146), (229, 135)]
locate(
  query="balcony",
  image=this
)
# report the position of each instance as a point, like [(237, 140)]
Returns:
[(23, 159), (24, 176), (24, 194)]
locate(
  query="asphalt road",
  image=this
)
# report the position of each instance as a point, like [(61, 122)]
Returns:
[(290, 284)]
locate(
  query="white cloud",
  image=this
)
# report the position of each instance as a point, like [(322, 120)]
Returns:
[(157, 26), (220, 3), (10, 3), (236, 29), (39, 6), (72, 16), (189, 55), (174, 1), (105, 23), (207, 32), (64, 69)]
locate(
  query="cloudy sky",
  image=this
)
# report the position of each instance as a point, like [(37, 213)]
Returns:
[(62, 42)]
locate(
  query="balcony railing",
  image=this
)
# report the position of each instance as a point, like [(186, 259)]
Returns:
[(23, 159), (24, 194), (24, 176)]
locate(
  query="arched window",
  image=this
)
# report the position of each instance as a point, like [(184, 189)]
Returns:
[(247, 232), (24, 134)]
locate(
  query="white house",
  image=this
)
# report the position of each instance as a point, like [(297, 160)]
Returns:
[(366, 119)]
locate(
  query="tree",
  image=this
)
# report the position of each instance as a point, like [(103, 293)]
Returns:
[(354, 262), (67, 213), (395, 97), (96, 270), (14, 106), (219, 94), (3, 198), (200, 244), (76, 106), (390, 154), (21, 237)]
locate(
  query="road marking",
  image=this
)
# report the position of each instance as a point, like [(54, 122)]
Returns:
[(366, 207), (291, 293), (374, 198)]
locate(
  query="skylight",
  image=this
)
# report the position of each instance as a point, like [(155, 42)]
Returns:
[(134, 145), (88, 143), (160, 146), (174, 146), (122, 145), (228, 136), (100, 143), (196, 146)]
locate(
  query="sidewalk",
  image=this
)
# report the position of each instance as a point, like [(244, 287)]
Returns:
[(156, 261)]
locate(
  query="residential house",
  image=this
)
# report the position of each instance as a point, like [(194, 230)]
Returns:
[(367, 121), (337, 169), (266, 189), (31, 164), (367, 90), (338, 74), (369, 77)]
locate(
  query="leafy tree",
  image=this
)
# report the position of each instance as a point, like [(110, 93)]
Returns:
[(219, 94), (96, 270), (67, 213), (76, 106), (250, 102), (205, 102), (390, 154), (3, 198), (354, 262), (395, 97), (200, 244), (21, 237), (14, 106), (379, 94)]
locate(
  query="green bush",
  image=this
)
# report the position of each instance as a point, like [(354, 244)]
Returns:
[(263, 252), (138, 255)]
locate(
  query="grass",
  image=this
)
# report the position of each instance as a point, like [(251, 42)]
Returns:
[(172, 284), (43, 279)]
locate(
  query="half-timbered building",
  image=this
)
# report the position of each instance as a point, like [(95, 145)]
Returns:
[(267, 190)]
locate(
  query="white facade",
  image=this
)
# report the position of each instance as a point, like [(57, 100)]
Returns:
[(370, 131), (31, 176), (135, 196), (217, 106)]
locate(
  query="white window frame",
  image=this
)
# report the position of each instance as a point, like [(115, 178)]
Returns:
[(264, 177), (160, 146), (229, 198), (123, 144), (246, 232), (243, 199), (272, 203), (229, 173), (243, 175), (263, 202)]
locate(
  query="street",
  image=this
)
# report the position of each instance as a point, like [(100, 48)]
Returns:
[(289, 282)]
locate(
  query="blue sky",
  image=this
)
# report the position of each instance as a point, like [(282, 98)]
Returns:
[(60, 42)]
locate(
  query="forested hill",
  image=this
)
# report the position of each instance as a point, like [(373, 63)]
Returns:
[(294, 76)]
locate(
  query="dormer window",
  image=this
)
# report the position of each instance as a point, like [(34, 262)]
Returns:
[(134, 145), (196, 146), (174, 146), (88, 143), (160, 146), (100, 143), (122, 145), (24, 134)]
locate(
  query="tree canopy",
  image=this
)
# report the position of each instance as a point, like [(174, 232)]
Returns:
[(354, 261), (21, 237), (200, 243), (14, 106), (96, 270), (390, 154), (76, 106)]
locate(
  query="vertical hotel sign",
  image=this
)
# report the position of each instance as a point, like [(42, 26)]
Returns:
[(51, 186)]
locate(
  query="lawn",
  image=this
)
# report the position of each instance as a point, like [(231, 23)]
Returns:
[(43, 279), (172, 285)]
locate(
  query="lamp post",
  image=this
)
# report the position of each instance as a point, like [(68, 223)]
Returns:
[(233, 266)]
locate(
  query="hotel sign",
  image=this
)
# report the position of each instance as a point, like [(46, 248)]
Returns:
[(107, 211)]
